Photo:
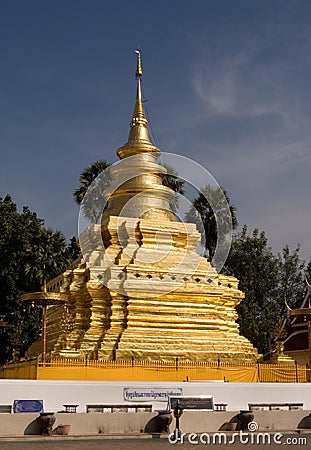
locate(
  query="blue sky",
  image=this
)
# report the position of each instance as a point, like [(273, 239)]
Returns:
[(227, 84)]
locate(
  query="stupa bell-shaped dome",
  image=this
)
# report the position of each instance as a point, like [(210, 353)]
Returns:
[(140, 192)]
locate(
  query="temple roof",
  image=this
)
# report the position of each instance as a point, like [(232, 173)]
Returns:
[(297, 328)]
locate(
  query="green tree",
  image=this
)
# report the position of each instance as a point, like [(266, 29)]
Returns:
[(175, 183), (46, 256), (308, 272), (24, 247), (257, 268), (292, 285), (172, 180), (16, 232), (73, 250), (214, 216), (96, 186)]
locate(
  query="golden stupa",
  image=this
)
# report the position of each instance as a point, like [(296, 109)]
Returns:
[(142, 290)]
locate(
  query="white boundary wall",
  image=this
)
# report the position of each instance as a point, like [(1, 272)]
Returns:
[(56, 393)]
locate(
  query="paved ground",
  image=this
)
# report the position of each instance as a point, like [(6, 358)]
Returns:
[(144, 444)]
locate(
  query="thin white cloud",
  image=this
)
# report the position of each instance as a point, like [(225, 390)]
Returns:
[(274, 159), (239, 86)]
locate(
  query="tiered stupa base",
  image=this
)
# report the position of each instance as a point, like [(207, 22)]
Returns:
[(175, 306)]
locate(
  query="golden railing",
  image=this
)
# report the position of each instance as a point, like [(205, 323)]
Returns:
[(70, 369)]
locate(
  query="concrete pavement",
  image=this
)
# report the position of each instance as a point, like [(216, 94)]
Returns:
[(144, 442)]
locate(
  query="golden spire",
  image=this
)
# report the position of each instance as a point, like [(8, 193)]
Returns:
[(138, 140), (138, 114)]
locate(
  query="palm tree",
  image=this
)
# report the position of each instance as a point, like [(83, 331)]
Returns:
[(214, 216), (172, 181), (95, 201), (47, 256)]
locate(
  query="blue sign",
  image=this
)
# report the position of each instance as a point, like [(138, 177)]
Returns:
[(27, 406)]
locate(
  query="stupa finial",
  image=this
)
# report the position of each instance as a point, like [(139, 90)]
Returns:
[(138, 114), (138, 140), (139, 70)]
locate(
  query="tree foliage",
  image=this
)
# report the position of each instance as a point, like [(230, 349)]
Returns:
[(45, 256), (292, 286), (214, 216), (29, 254), (267, 281), (308, 272), (253, 263), (172, 180), (90, 182), (175, 183)]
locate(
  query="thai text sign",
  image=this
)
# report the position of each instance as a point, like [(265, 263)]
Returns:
[(148, 395)]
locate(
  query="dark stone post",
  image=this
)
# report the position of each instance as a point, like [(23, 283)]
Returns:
[(177, 414)]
